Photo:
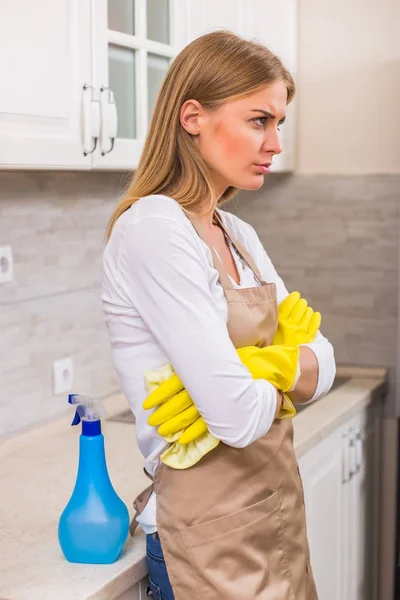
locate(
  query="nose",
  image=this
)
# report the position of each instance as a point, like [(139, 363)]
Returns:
[(272, 142)]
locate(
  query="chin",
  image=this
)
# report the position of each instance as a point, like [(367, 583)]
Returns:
[(251, 184)]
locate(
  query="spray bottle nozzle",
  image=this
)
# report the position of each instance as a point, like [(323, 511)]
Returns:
[(87, 409)]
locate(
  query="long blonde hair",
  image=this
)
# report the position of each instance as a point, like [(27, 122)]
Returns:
[(212, 69)]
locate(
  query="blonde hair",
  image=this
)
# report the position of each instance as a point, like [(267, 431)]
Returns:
[(212, 69)]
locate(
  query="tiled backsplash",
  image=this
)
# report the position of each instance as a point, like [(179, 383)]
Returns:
[(334, 238), (55, 224)]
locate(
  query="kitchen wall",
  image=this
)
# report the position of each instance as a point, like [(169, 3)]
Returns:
[(335, 239), (349, 86), (55, 224)]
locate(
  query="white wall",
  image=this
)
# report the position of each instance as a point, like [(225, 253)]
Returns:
[(349, 86)]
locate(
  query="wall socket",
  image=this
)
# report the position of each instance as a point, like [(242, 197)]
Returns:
[(6, 264), (63, 375)]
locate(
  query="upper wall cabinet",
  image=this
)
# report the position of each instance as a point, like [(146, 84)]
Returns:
[(44, 64), (80, 77)]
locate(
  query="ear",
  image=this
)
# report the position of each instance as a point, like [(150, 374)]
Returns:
[(190, 116)]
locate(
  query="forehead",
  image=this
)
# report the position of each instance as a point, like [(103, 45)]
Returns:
[(271, 98)]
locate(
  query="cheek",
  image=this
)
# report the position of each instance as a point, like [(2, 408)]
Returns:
[(233, 143)]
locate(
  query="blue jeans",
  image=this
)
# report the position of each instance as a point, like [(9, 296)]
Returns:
[(158, 576)]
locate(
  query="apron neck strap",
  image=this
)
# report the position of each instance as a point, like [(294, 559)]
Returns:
[(239, 247), (223, 275)]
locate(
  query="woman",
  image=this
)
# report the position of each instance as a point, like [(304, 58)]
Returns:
[(187, 283)]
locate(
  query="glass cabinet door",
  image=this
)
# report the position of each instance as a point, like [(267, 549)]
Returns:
[(133, 50), (139, 54)]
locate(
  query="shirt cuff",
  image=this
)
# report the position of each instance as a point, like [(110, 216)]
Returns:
[(323, 351)]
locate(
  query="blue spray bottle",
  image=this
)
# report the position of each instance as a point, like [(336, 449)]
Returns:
[(94, 525)]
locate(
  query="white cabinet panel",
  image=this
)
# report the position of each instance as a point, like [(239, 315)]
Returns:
[(205, 16), (341, 488), (321, 472), (44, 62), (275, 25)]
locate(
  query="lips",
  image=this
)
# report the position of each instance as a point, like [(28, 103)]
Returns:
[(264, 167)]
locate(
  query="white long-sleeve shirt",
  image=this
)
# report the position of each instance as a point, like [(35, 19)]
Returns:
[(163, 302)]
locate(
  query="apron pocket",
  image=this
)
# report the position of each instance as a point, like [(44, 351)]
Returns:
[(242, 555)]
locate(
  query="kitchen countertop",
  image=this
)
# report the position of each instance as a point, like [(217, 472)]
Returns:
[(37, 475)]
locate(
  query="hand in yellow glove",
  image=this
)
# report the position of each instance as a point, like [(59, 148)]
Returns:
[(297, 322), (276, 364)]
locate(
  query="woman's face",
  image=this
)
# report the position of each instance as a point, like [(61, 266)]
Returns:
[(239, 139)]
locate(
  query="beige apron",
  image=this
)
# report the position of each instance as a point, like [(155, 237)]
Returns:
[(232, 527)]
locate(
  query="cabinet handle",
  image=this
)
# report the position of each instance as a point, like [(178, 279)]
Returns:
[(352, 454), (149, 592), (91, 118), (109, 118), (345, 459), (359, 450)]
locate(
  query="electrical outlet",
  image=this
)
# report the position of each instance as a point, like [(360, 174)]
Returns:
[(63, 375), (6, 264)]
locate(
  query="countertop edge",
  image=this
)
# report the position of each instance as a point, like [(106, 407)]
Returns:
[(340, 413)]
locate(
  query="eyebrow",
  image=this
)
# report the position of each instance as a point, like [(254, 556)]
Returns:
[(268, 114)]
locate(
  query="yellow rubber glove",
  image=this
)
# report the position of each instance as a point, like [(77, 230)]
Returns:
[(176, 412), (297, 322), (179, 456)]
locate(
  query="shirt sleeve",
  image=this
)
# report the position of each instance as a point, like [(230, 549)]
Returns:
[(321, 347), (164, 273)]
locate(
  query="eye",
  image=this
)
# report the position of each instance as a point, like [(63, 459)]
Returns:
[(260, 121)]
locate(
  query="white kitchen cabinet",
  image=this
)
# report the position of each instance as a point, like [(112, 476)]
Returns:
[(79, 80), (341, 482), (361, 506), (321, 472), (44, 63), (80, 77), (205, 16)]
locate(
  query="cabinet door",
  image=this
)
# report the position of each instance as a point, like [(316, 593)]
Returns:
[(363, 507), (44, 63), (321, 471), (353, 508), (205, 16), (134, 42)]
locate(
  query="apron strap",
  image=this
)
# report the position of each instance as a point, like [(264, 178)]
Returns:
[(223, 275), (240, 248), (140, 503)]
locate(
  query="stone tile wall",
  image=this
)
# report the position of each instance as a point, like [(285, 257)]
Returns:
[(334, 238)]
